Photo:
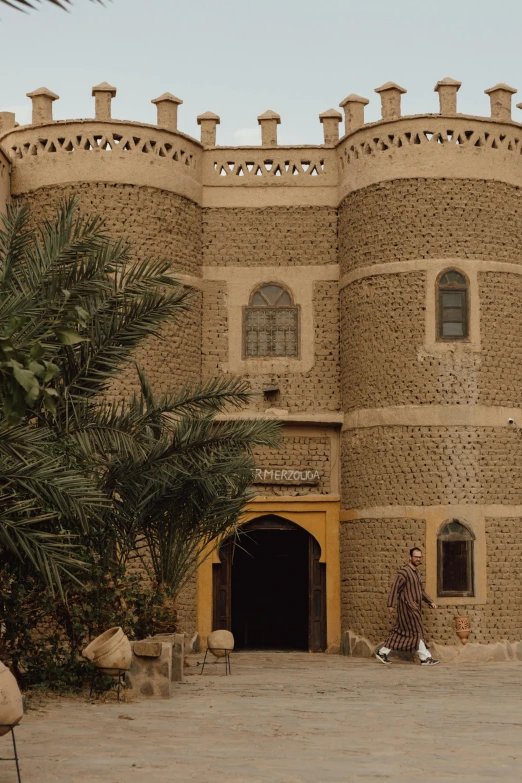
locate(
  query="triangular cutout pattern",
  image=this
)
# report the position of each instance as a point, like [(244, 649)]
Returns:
[(267, 167), (109, 142), (441, 136)]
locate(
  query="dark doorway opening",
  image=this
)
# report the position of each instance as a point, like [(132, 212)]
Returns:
[(269, 588)]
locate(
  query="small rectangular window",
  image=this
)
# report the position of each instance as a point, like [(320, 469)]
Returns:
[(455, 571), (453, 314)]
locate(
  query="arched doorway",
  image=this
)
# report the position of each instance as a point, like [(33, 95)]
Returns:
[(269, 587)]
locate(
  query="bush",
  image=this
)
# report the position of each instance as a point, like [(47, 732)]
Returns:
[(43, 636)]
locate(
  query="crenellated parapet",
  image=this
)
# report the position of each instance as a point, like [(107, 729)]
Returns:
[(444, 145), (457, 147), (104, 149), (113, 151)]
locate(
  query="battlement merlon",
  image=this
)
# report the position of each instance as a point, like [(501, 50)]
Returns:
[(353, 105), (444, 145), (103, 94)]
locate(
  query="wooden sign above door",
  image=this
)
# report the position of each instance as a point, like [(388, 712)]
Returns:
[(286, 476)]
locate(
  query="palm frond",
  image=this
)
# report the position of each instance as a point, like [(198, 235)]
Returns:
[(22, 5), (15, 239), (52, 555), (215, 395), (158, 471)]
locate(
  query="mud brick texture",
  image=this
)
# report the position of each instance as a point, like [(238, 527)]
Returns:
[(501, 616), (384, 360), (430, 218), (298, 453), (214, 354), (186, 607), (171, 360), (273, 236), (371, 552), (500, 375), (157, 223), (317, 390), (430, 466)]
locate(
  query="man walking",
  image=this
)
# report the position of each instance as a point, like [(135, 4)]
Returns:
[(407, 595)]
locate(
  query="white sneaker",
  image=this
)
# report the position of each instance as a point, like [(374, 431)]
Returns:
[(429, 662)]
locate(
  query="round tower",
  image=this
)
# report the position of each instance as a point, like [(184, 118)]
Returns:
[(430, 220), (141, 179)]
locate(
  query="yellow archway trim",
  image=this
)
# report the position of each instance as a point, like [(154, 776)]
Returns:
[(319, 516)]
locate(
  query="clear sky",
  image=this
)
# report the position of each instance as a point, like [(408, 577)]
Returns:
[(238, 58)]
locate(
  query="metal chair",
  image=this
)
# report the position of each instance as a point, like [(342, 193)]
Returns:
[(11, 727), (226, 660)]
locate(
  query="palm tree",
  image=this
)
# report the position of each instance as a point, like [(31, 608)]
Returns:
[(156, 470), (193, 479), (21, 5)]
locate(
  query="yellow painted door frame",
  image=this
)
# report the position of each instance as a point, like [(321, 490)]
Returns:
[(319, 516)]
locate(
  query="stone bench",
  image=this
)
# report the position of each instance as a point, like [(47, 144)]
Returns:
[(156, 663)]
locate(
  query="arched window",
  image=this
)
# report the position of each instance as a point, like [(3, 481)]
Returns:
[(455, 560), (271, 323), (452, 306)]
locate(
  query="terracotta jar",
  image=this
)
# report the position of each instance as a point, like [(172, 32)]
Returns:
[(463, 629), (11, 707), (219, 641), (110, 651)]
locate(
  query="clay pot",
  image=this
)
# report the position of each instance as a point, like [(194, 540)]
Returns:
[(11, 708), (219, 641), (463, 629), (110, 651)]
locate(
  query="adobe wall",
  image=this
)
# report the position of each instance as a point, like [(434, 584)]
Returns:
[(384, 359), (273, 236), (159, 224), (373, 549), (500, 617), (392, 366), (430, 218), (186, 607), (427, 428), (266, 245), (500, 369), (298, 451), (398, 465), (316, 388), (371, 552)]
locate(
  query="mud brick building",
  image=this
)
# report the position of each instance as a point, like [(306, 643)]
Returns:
[(370, 289)]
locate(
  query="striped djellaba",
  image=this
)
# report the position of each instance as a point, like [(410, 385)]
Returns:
[(407, 595)]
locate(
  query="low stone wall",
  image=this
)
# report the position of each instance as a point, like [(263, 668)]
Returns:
[(360, 647), (156, 663)]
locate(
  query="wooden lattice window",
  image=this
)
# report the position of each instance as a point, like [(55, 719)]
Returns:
[(455, 560), (452, 306), (271, 323)]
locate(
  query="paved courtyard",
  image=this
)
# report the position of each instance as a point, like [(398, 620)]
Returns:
[(287, 718)]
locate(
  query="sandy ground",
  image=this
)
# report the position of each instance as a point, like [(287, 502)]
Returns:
[(287, 718)]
